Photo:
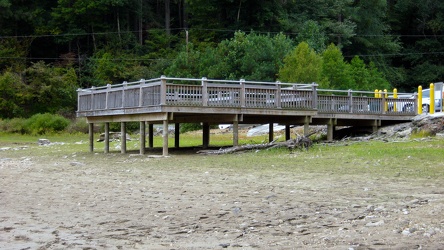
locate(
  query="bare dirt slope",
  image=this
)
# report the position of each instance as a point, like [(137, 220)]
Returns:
[(129, 202)]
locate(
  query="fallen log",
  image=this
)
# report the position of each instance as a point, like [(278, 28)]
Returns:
[(300, 142)]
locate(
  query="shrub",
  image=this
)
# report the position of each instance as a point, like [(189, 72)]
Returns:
[(45, 123), (15, 125), (78, 125)]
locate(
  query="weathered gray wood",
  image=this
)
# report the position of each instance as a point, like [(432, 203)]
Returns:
[(123, 137), (165, 138), (91, 136), (235, 133), (106, 137), (142, 137)]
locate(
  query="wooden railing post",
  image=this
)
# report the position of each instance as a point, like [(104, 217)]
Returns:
[(314, 96), (242, 96), (350, 101), (278, 98), (123, 93), (142, 81), (163, 88), (204, 92), (108, 89), (92, 97)]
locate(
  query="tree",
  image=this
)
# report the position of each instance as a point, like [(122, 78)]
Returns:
[(313, 34), (335, 71), (302, 65)]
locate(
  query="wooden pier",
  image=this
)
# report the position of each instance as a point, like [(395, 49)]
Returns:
[(182, 100)]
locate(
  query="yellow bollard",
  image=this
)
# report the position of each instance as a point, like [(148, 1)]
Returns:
[(385, 100), (380, 94), (376, 93), (432, 98), (395, 96), (419, 100)]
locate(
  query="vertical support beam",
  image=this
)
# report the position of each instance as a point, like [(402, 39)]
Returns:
[(307, 121), (350, 101), (150, 135), (91, 136), (165, 138), (330, 129), (106, 137), (287, 132), (270, 132), (176, 135), (142, 137), (123, 137), (376, 125), (205, 135), (235, 133)]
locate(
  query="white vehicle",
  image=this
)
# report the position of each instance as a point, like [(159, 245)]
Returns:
[(438, 98)]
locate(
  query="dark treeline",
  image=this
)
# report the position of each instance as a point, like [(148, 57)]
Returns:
[(49, 48)]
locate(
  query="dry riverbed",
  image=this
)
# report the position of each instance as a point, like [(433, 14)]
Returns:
[(83, 201)]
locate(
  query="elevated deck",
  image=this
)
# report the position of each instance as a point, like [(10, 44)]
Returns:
[(178, 100)]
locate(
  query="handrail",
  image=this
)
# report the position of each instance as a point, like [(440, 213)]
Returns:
[(240, 93)]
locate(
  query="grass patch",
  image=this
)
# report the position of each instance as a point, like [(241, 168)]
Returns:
[(408, 159)]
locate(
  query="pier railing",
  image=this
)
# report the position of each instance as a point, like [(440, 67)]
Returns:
[(240, 94)]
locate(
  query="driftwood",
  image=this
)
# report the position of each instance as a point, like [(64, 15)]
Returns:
[(300, 142)]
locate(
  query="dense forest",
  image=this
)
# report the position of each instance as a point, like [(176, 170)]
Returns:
[(50, 48)]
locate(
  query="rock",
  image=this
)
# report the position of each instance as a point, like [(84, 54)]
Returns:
[(75, 163), (43, 142), (375, 224)]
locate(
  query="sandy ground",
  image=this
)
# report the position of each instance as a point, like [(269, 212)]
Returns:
[(127, 202)]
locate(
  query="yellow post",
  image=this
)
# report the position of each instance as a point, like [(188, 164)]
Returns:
[(395, 96), (380, 94), (419, 100), (432, 98), (385, 100), (376, 93)]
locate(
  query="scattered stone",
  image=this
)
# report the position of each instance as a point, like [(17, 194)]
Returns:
[(375, 224), (43, 142), (75, 163)]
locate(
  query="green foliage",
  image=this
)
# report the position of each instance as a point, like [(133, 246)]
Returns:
[(15, 125), (186, 127), (49, 89), (302, 65), (312, 33), (11, 95), (39, 124), (335, 71), (248, 56)]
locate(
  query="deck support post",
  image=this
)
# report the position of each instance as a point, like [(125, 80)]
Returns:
[(150, 135), (307, 125), (91, 136), (123, 137), (165, 138), (142, 137), (235, 133), (270, 132), (376, 125), (287, 132), (330, 129), (205, 135), (106, 137), (176, 135)]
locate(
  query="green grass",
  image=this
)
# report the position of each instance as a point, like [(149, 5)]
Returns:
[(408, 159)]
